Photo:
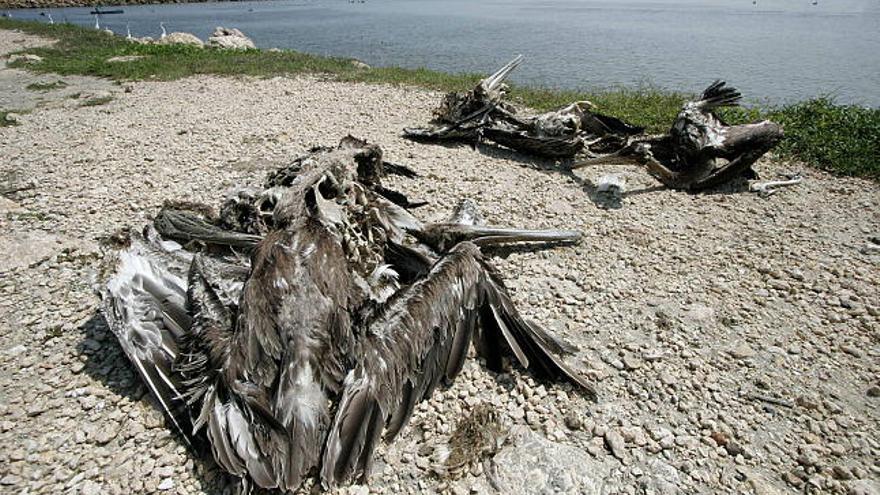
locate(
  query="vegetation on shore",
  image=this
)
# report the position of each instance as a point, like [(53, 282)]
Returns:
[(840, 138)]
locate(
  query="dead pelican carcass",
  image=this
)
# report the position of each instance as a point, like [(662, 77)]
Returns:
[(701, 151), (482, 113), (346, 313)]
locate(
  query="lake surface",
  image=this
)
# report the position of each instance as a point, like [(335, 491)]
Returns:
[(774, 50)]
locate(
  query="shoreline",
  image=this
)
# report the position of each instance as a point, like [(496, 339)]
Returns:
[(844, 139)]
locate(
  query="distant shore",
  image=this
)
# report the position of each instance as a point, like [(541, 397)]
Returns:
[(45, 4)]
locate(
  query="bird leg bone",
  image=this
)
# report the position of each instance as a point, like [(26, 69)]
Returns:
[(770, 188)]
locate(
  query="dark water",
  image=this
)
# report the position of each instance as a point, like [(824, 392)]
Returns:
[(774, 51)]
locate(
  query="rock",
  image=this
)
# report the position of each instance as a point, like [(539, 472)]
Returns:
[(89, 487), (615, 444), (573, 421), (166, 484), (851, 350), (360, 65), (531, 464), (659, 478), (761, 483), (631, 362), (99, 94), (863, 487), (874, 391), (124, 58), (178, 38), (358, 490), (742, 351), (230, 39), (27, 58)]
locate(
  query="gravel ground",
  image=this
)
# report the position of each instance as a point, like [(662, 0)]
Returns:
[(733, 339)]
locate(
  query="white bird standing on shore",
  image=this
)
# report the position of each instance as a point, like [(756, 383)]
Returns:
[(49, 16), (164, 34), (97, 23), (128, 30)]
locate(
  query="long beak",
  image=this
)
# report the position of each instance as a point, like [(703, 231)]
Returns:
[(612, 159), (498, 77), (489, 236)]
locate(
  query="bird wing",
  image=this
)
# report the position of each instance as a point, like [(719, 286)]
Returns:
[(420, 340), (144, 304), (718, 94)]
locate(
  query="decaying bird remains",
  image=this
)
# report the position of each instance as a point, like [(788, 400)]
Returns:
[(482, 113), (700, 151), (304, 322)]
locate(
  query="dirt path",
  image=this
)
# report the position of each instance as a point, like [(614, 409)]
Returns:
[(733, 339)]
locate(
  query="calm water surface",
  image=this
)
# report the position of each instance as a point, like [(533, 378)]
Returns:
[(774, 51)]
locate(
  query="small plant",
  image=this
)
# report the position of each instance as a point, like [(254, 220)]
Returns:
[(37, 86)]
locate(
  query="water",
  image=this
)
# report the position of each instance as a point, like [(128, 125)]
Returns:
[(774, 51)]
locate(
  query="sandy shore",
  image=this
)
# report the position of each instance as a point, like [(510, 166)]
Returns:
[(733, 339)]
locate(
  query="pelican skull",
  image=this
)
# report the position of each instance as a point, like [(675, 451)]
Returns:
[(290, 342)]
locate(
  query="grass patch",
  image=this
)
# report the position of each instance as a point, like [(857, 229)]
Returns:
[(839, 138), (37, 86)]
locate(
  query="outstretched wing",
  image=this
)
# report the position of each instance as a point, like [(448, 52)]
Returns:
[(422, 339), (145, 306)]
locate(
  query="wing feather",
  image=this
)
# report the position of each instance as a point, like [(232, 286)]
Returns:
[(144, 304), (420, 340)]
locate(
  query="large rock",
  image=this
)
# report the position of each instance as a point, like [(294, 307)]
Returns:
[(531, 464), (27, 58), (230, 39), (182, 39)]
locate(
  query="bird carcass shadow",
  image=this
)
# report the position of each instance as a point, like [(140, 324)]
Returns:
[(106, 362)]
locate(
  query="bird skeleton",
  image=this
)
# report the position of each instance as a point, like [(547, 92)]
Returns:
[(700, 151), (482, 113), (348, 311)]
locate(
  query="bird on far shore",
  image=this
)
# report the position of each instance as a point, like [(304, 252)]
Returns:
[(164, 34), (128, 30), (97, 22)]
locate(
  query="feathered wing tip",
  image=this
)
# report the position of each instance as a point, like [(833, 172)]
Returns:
[(422, 340), (144, 304), (718, 94), (534, 348)]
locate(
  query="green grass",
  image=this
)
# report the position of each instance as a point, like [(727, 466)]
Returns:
[(37, 86), (842, 139)]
